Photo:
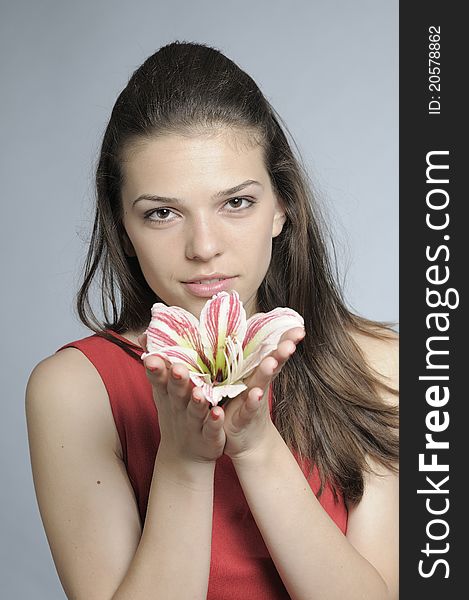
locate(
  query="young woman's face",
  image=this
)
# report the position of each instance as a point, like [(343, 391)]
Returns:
[(184, 224)]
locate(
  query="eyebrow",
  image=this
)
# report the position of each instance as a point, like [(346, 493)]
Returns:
[(223, 193)]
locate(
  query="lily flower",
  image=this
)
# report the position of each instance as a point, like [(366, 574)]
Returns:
[(223, 348)]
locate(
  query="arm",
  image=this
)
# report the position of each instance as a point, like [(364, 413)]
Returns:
[(87, 503), (312, 556), (173, 557)]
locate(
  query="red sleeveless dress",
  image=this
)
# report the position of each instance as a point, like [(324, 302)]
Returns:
[(241, 566)]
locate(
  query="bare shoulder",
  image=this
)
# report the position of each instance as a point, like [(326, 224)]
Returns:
[(66, 383), (84, 494), (381, 354)]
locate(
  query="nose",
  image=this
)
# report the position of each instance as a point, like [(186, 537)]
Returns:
[(204, 240)]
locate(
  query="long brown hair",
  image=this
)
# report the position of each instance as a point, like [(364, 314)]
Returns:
[(327, 403)]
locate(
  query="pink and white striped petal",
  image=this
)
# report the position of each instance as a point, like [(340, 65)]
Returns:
[(177, 355), (174, 326), (200, 379), (263, 334), (214, 393), (223, 316)]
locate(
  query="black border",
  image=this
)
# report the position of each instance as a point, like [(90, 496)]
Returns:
[(419, 134)]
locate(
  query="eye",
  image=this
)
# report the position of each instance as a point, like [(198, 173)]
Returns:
[(237, 203), (159, 215)]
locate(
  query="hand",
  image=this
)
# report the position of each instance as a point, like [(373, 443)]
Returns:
[(247, 417), (189, 430)]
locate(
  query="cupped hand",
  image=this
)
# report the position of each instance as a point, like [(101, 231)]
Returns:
[(189, 430), (247, 424)]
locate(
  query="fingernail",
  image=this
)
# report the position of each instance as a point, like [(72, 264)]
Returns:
[(176, 375), (215, 416)]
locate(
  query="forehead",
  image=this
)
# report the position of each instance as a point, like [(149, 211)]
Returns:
[(185, 165)]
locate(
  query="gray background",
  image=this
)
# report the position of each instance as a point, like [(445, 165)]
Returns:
[(329, 68)]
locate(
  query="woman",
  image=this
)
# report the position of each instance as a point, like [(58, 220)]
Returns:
[(290, 489)]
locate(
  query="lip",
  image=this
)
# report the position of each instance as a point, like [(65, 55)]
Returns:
[(209, 276), (207, 290)]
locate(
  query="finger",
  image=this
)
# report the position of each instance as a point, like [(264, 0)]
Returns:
[(157, 371), (264, 373), (198, 406), (179, 385), (213, 426), (282, 353), (249, 408), (284, 350), (295, 335)]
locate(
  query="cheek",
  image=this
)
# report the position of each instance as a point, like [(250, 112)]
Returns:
[(256, 239), (258, 228), (150, 246), (149, 251), (261, 251)]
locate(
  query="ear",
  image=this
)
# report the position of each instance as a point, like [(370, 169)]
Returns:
[(279, 219), (127, 244)]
